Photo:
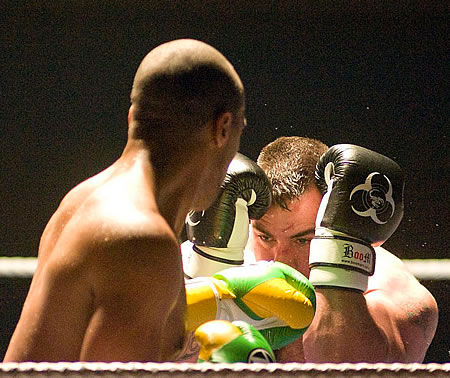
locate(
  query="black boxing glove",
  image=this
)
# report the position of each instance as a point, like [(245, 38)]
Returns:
[(217, 236), (361, 208)]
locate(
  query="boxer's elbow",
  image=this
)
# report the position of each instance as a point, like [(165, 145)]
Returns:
[(419, 329)]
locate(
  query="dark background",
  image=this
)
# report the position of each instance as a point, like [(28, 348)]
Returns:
[(370, 73)]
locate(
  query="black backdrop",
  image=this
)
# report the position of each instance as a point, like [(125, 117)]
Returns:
[(370, 73)]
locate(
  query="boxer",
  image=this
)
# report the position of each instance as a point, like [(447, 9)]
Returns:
[(329, 223), (109, 283)]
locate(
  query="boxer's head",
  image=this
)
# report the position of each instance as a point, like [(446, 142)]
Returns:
[(182, 85), (285, 230), (187, 100)]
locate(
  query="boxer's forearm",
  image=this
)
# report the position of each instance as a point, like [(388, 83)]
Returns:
[(348, 329)]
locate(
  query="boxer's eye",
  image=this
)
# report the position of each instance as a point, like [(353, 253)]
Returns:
[(265, 238), (302, 241)]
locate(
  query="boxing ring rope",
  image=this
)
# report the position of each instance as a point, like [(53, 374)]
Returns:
[(134, 369), (422, 269), (24, 267)]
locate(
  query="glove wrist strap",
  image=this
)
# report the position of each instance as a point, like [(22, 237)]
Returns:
[(230, 256), (337, 260), (199, 261)]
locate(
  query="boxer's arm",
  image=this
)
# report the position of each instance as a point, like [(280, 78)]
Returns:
[(138, 291), (361, 208), (415, 309), (394, 321), (347, 329)]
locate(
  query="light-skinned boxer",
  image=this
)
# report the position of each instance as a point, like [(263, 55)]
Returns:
[(109, 284), (387, 316)]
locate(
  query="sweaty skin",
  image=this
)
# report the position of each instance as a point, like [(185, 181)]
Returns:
[(96, 268), (394, 321), (109, 284)]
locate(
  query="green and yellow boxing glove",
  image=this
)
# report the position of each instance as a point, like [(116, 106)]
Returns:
[(224, 342), (275, 298)]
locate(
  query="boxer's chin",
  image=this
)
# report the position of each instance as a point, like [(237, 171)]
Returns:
[(205, 200), (201, 205)]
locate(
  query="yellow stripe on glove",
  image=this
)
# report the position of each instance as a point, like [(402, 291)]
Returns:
[(273, 297), (276, 297)]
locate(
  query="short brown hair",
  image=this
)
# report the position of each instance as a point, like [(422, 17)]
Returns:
[(290, 163)]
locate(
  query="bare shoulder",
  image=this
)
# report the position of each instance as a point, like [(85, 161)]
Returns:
[(139, 245), (109, 276), (116, 237), (410, 306), (138, 290), (392, 275)]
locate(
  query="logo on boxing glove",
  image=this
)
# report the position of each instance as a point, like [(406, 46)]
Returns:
[(374, 198), (363, 260), (193, 214), (259, 355)]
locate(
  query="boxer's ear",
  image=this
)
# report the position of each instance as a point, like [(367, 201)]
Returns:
[(221, 129), (130, 114)]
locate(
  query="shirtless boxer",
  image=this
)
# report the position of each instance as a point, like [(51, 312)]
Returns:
[(109, 284), (393, 318)]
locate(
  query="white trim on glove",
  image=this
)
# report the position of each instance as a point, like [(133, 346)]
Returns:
[(337, 260)]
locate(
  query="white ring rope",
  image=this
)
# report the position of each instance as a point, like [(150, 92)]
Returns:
[(19, 267), (64, 369), (425, 269), (431, 269)]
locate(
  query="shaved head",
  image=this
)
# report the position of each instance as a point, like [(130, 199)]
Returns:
[(183, 84)]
